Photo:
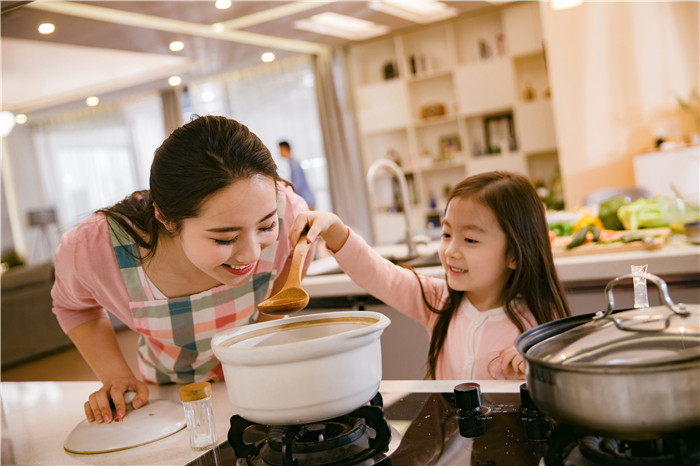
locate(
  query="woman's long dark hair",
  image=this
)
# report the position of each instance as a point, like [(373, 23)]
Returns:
[(521, 216), (198, 159)]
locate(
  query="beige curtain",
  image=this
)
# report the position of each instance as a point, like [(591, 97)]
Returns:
[(345, 172), (172, 110)]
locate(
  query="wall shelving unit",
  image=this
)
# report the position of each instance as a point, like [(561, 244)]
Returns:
[(450, 100)]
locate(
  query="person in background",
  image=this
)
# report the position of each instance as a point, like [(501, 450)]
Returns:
[(177, 263), (297, 174), (500, 276)]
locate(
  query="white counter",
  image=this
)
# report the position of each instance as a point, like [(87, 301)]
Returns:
[(679, 257), (37, 417)]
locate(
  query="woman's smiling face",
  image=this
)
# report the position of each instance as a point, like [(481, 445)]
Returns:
[(234, 225)]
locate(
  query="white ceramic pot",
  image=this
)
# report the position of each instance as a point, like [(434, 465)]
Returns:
[(302, 369)]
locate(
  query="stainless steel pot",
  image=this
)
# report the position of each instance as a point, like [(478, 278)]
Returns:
[(631, 374)]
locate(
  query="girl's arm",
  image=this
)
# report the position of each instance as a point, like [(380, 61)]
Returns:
[(97, 343), (396, 286)]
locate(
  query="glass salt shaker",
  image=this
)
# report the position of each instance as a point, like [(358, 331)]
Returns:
[(196, 401)]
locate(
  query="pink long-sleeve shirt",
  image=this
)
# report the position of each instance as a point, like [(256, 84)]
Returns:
[(474, 338)]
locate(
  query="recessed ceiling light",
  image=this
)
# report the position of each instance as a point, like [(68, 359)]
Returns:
[(207, 96), (174, 80), (46, 28), (92, 101), (418, 11), (347, 27), (564, 4), (223, 4), (20, 118), (267, 57), (176, 45)]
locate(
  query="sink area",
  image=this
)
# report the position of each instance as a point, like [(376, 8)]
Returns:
[(328, 265)]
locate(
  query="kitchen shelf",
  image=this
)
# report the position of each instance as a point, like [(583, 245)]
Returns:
[(464, 72)]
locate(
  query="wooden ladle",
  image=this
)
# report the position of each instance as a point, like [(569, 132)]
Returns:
[(292, 297)]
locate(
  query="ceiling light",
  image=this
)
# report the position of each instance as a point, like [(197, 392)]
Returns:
[(46, 28), (92, 101), (418, 11), (223, 4), (218, 27), (20, 118), (174, 80), (207, 96), (347, 27), (564, 4), (267, 57), (176, 46), (7, 122)]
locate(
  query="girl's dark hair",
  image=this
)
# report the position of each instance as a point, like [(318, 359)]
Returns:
[(198, 159), (521, 215)]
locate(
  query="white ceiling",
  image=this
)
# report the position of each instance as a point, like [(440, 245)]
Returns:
[(35, 75), (106, 46)]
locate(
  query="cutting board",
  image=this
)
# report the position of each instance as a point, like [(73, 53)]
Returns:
[(660, 239), (157, 419)]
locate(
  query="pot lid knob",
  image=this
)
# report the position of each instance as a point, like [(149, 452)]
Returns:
[(468, 396)]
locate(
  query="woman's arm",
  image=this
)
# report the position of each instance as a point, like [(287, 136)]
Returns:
[(97, 343)]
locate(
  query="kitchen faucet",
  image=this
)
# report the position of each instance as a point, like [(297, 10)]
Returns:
[(401, 177)]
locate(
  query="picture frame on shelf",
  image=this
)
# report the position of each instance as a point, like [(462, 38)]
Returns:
[(449, 146), (499, 133)]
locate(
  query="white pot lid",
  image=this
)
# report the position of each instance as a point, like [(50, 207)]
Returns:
[(154, 421)]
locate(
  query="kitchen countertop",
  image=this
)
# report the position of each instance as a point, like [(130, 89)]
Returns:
[(37, 417), (678, 257)]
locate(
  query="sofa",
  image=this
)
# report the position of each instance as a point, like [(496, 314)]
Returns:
[(29, 328)]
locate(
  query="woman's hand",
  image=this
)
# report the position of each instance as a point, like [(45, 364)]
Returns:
[(513, 364), (98, 407), (321, 224)]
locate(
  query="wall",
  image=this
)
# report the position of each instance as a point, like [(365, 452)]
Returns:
[(616, 69)]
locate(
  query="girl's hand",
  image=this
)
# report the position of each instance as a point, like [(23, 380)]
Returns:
[(321, 224), (513, 364), (98, 407)]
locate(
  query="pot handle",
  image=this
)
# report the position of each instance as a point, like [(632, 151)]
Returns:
[(678, 309)]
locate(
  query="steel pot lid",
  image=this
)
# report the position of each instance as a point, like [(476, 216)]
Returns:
[(641, 337)]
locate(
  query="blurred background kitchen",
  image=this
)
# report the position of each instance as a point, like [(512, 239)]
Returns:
[(579, 96)]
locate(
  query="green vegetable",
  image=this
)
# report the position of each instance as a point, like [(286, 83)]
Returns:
[(642, 213), (607, 212), (561, 228), (580, 237)]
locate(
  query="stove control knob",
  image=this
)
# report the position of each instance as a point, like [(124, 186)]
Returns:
[(468, 396), (471, 419), (525, 400), (537, 425)]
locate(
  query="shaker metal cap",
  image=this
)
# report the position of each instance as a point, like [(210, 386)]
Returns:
[(195, 391)]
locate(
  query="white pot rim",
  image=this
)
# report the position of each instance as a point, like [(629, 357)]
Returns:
[(228, 352)]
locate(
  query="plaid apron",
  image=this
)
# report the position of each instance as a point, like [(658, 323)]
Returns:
[(175, 334)]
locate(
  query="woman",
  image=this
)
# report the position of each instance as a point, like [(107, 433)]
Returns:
[(177, 263)]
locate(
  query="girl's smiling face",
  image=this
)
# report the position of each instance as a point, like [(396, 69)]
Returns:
[(473, 252), (234, 225)]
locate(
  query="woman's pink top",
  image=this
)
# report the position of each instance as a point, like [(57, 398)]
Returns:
[(97, 271), (474, 338)]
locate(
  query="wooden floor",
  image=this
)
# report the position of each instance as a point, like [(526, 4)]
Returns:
[(68, 364)]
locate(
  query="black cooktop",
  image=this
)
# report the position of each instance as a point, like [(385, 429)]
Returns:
[(429, 428), (461, 428)]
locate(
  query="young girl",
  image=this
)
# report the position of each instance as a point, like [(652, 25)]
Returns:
[(500, 276), (177, 263)]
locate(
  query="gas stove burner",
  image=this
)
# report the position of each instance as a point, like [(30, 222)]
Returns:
[(566, 448), (360, 437), (649, 453)]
